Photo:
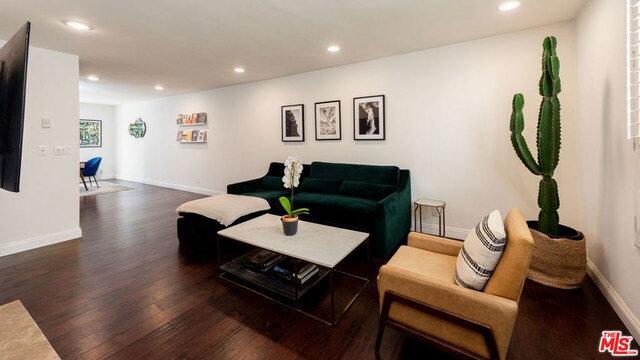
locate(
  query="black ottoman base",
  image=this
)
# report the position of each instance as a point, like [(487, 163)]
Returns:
[(200, 232)]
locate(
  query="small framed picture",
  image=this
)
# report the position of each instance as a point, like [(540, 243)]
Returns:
[(328, 120), (368, 118), (293, 122), (90, 133)]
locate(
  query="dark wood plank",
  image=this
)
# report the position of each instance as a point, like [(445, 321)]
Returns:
[(127, 290)]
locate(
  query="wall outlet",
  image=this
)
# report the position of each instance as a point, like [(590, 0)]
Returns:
[(46, 123), (67, 150), (43, 150), (58, 150)]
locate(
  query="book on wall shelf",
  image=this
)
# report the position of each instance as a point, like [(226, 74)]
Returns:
[(191, 136), (191, 119)]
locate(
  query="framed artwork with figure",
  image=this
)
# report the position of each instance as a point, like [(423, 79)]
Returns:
[(368, 118), (328, 120), (292, 123)]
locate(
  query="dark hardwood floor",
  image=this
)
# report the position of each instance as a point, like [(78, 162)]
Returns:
[(127, 291)]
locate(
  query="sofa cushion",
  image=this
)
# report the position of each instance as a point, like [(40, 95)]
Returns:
[(365, 190), (272, 197), (273, 183), (330, 208), (320, 185), (481, 252), (384, 175)]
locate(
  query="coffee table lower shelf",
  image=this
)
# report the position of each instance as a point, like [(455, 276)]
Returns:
[(285, 292)]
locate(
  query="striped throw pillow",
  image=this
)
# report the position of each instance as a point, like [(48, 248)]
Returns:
[(481, 252)]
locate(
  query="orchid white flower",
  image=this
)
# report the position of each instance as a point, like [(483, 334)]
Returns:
[(291, 180)]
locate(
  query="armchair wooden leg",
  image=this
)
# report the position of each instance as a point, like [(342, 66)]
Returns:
[(94, 178), (384, 315)]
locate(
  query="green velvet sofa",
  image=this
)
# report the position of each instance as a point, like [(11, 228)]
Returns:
[(368, 198)]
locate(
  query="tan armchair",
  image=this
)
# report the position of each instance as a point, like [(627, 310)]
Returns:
[(418, 294)]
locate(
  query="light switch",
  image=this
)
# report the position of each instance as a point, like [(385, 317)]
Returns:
[(58, 150), (43, 150), (46, 123), (67, 150)]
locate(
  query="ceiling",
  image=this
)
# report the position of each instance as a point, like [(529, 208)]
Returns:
[(192, 45)]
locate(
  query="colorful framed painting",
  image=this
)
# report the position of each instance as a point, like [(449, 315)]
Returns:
[(328, 125), (90, 133)]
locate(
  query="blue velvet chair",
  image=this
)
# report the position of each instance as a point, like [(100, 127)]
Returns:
[(91, 168)]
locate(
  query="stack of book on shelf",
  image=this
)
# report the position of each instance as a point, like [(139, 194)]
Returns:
[(286, 269), (262, 260)]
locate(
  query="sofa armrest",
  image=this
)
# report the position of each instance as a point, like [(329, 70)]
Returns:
[(498, 313), (393, 217), (244, 186), (434, 243)]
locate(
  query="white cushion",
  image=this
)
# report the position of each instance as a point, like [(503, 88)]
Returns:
[(225, 208), (481, 252)]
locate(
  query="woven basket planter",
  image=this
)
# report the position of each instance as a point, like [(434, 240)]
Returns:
[(558, 262)]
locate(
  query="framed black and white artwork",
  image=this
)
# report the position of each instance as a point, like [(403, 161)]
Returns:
[(328, 120), (293, 122), (368, 118)]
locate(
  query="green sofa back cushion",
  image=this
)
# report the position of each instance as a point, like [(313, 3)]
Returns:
[(320, 185), (365, 190), (383, 175), (273, 183)]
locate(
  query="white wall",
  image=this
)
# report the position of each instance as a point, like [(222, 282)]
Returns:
[(447, 119), (46, 210), (105, 113), (606, 158)]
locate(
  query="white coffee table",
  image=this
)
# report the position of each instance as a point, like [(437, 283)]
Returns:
[(325, 246)]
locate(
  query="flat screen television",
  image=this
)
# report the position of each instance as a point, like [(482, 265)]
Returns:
[(13, 85)]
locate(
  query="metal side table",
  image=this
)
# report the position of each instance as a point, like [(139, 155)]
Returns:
[(438, 205)]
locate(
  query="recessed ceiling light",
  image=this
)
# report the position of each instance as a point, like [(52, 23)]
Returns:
[(239, 70), (159, 87), (78, 26), (93, 78), (509, 6), (333, 48)]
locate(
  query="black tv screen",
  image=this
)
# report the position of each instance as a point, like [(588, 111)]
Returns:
[(13, 86)]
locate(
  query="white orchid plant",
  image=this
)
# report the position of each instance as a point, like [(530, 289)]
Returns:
[(291, 180)]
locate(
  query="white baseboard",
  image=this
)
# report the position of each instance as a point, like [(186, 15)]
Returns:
[(629, 319), (192, 189), (450, 232), (39, 241)]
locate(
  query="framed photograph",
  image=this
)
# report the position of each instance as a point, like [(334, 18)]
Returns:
[(90, 133), (328, 124), (368, 118), (293, 122)]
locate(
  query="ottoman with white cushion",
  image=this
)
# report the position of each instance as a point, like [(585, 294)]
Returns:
[(201, 219)]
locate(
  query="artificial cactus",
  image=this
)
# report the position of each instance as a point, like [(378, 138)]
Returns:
[(548, 139)]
